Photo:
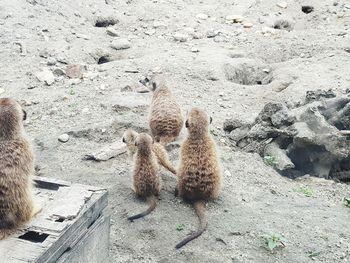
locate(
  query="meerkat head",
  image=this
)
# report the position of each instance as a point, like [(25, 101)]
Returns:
[(198, 122), (129, 136), (153, 81), (11, 118), (144, 143)]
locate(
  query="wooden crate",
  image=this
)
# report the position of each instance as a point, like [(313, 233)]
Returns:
[(72, 227)]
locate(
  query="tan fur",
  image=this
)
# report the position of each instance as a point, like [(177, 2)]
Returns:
[(16, 170), (199, 171), (165, 118), (129, 138), (147, 182)]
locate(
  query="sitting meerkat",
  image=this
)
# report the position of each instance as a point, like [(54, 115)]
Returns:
[(199, 171), (17, 206), (129, 138), (165, 118), (147, 181)]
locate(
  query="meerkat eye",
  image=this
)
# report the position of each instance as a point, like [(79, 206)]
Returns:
[(187, 124), (124, 141), (154, 86), (210, 120), (24, 115), (135, 143)]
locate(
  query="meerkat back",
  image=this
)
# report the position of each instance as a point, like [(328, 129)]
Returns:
[(16, 169), (165, 118)]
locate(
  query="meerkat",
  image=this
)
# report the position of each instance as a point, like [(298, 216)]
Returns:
[(129, 138), (17, 206), (147, 182), (165, 119), (199, 170)]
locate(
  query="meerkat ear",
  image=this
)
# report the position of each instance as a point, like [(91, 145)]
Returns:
[(210, 120), (24, 114), (187, 124)]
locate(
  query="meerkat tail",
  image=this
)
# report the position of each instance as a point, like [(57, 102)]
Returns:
[(152, 205), (199, 207), (163, 158)]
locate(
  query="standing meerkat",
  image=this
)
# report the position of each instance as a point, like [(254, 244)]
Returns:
[(147, 182), (165, 118), (129, 138), (16, 170), (199, 171)]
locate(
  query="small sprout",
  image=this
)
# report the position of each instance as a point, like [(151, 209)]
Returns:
[(312, 254), (180, 227), (270, 160), (347, 201), (305, 190), (274, 241), (72, 92)]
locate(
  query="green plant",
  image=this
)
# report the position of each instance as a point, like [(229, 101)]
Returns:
[(180, 227), (72, 92), (274, 241), (312, 254), (270, 160), (347, 201), (306, 191)]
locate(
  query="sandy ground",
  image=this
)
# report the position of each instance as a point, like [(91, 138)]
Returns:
[(255, 200)]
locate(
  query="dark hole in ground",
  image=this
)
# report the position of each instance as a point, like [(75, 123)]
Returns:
[(61, 219), (341, 170), (105, 22), (283, 24), (48, 185), (248, 73), (307, 9), (103, 59), (34, 237)]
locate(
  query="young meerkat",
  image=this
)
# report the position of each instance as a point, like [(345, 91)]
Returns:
[(129, 138), (147, 182), (199, 171), (17, 206), (165, 118)]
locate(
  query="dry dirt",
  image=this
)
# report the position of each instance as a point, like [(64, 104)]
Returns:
[(234, 73)]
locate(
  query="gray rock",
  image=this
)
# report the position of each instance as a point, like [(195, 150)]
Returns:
[(51, 61), (63, 138), (45, 76), (121, 43), (282, 117), (232, 124)]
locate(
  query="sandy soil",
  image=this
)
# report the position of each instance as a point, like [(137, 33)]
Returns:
[(312, 54)]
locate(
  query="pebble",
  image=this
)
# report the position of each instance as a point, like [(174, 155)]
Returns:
[(112, 32), (78, 35), (194, 50), (227, 173), (202, 16), (45, 76), (74, 71), (51, 61), (121, 43), (234, 19), (180, 37), (63, 138), (282, 5), (2, 90), (150, 32), (247, 25), (211, 33), (59, 72)]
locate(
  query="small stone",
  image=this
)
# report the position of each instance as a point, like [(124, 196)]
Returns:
[(194, 50), (211, 33), (282, 5), (180, 37), (2, 90), (202, 16), (63, 138), (247, 25), (59, 72), (234, 19), (45, 76), (51, 61), (121, 43), (112, 32), (227, 173), (74, 71), (150, 32), (82, 36), (232, 124)]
